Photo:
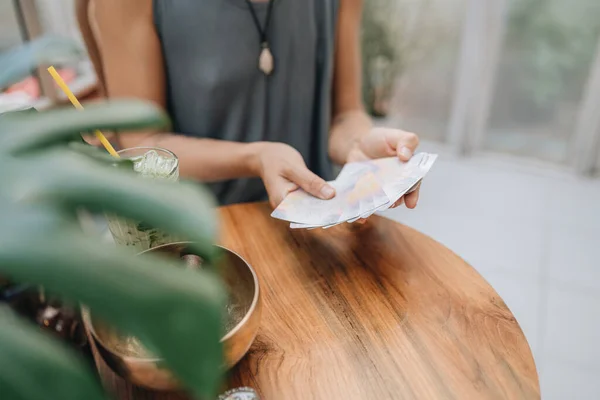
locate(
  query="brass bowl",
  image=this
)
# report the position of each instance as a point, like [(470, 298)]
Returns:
[(242, 286)]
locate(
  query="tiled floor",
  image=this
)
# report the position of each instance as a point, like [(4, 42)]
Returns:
[(535, 236)]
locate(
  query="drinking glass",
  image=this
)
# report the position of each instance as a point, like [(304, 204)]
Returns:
[(149, 163)]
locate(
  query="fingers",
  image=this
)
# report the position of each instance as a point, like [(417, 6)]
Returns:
[(311, 183), (398, 203), (414, 187), (279, 189), (406, 145), (411, 199), (92, 140)]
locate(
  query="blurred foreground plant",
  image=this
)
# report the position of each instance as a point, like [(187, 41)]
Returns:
[(45, 178)]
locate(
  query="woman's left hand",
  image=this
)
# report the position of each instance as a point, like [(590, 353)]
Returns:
[(387, 142)]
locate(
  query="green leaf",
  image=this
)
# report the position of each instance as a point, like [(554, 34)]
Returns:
[(17, 63), (144, 227), (33, 366), (20, 133), (100, 155), (44, 246), (70, 180), (176, 311)]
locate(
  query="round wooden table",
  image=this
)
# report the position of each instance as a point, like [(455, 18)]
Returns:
[(378, 311)]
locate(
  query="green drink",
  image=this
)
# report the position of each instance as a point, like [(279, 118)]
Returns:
[(149, 163)]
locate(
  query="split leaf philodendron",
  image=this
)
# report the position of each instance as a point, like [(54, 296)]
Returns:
[(47, 175)]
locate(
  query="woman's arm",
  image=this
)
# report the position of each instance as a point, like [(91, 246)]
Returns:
[(82, 13), (352, 137), (133, 67), (132, 64)]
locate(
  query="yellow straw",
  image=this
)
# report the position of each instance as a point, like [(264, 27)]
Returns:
[(61, 84)]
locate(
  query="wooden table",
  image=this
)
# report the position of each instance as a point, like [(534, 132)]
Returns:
[(376, 312)]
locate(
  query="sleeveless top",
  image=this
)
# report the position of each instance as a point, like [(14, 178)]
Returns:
[(215, 89)]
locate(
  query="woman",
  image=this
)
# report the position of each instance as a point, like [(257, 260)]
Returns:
[(263, 90)]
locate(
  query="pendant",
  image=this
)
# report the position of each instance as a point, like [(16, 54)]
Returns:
[(265, 61)]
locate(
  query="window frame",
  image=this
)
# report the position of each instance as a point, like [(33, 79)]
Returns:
[(483, 33)]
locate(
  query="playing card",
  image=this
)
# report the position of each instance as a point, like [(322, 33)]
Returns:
[(353, 220), (294, 225), (368, 205), (407, 175), (362, 188), (301, 208), (395, 176), (354, 169)]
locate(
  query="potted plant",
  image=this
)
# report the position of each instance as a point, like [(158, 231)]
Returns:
[(396, 34), (47, 175)]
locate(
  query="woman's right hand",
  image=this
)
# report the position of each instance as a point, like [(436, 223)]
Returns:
[(282, 170)]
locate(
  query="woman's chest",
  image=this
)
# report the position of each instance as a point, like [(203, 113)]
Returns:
[(216, 44)]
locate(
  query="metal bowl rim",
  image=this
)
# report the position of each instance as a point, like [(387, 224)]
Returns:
[(85, 312)]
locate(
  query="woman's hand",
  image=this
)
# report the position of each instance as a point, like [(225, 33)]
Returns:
[(282, 170), (387, 142)]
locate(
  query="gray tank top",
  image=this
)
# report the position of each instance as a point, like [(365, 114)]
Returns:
[(215, 89)]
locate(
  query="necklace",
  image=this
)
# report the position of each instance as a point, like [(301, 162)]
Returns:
[(265, 60)]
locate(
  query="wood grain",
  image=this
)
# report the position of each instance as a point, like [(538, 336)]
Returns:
[(376, 312)]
